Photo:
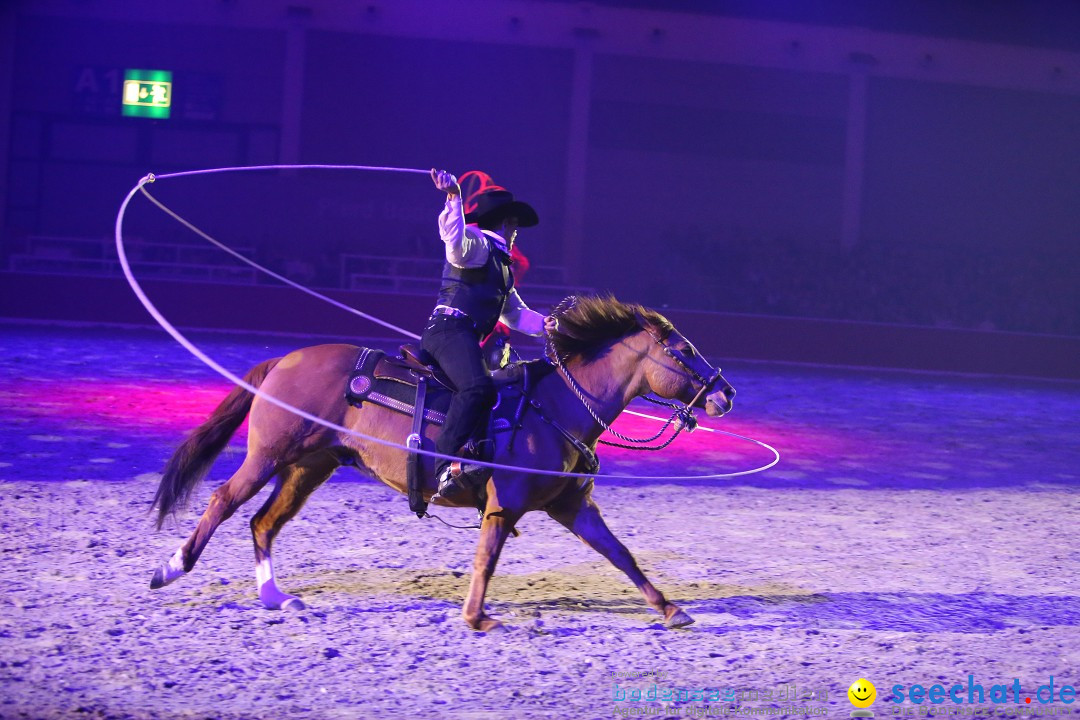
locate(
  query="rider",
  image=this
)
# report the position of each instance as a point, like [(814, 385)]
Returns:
[(477, 291)]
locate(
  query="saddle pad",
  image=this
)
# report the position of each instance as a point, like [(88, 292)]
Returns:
[(394, 393)]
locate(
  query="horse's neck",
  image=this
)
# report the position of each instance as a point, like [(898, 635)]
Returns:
[(609, 384)]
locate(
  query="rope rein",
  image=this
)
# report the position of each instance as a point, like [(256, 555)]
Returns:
[(629, 443)]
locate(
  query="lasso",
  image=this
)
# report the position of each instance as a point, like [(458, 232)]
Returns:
[(214, 365)]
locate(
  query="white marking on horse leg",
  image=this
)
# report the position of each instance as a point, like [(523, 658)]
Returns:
[(269, 594), (169, 571), (175, 567), (264, 573)]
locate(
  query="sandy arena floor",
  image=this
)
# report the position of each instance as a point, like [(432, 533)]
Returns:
[(920, 529)]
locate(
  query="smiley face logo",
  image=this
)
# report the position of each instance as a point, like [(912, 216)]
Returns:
[(862, 693)]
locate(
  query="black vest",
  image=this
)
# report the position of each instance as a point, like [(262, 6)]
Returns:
[(479, 292)]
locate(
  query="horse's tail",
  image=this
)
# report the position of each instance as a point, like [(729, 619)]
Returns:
[(193, 459)]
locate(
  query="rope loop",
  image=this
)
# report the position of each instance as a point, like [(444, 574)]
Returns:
[(180, 338)]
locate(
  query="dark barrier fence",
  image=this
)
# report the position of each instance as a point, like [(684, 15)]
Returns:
[(719, 335)]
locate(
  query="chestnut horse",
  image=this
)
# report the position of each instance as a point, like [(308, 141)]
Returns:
[(614, 352)]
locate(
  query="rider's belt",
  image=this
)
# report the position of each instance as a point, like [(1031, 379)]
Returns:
[(451, 311)]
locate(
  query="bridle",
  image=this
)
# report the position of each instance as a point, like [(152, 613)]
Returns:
[(681, 360), (684, 412)]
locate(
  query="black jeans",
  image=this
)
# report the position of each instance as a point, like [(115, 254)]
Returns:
[(455, 345)]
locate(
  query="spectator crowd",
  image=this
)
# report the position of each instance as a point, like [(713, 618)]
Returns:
[(916, 284)]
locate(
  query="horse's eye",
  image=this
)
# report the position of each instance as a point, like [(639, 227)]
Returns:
[(689, 351)]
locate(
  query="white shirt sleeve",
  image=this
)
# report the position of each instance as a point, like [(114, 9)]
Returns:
[(465, 246), (518, 316)]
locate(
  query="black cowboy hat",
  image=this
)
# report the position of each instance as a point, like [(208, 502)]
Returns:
[(494, 205)]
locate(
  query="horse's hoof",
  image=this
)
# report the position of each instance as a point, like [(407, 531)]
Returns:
[(281, 601), (678, 620), (486, 624), (491, 625), (296, 604), (163, 576), (170, 571)]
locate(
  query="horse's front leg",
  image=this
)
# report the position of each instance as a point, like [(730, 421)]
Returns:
[(581, 516), (497, 525)]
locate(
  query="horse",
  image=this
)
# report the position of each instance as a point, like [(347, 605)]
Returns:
[(611, 351)]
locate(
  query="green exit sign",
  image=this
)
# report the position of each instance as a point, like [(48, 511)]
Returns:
[(147, 93)]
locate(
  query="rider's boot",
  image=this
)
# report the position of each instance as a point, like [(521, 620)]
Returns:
[(457, 479)]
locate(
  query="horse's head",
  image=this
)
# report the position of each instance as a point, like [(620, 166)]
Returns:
[(663, 361), (676, 370)]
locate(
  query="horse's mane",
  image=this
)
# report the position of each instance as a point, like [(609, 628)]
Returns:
[(591, 321)]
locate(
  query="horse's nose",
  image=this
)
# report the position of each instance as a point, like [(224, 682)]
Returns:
[(729, 393)]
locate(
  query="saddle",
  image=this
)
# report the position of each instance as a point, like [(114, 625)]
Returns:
[(411, 385), (416, 362)]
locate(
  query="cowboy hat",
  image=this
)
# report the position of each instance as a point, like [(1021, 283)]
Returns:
[(494, 205)]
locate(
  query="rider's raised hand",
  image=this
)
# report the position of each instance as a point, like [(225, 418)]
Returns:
[(445, 181)]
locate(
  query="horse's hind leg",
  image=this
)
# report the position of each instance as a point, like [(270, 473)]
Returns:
[(582, 517), (241, 487), (294, 486)]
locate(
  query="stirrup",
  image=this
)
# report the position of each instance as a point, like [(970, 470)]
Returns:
[(457, 479), (451, 484), (447, 479)]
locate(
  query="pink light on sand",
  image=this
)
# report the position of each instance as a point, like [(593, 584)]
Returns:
[(716, 452), (179, 405)]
